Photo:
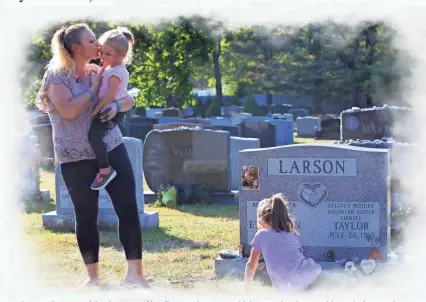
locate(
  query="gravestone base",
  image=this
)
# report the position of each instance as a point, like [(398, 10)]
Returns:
[(45, 194), (235, 268), (55, 221), (225, 268), (228, 198), (230, 267)]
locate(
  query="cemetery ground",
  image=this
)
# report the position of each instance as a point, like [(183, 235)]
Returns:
[(179, 254)]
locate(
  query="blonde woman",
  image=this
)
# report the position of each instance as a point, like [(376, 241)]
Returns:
[(69, 93)]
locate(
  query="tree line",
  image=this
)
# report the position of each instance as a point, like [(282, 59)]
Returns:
[(323, 60)]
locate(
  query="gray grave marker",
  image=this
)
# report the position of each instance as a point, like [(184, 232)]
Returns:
[(184, 156), (107, 215), (238, 144), (338, 195)]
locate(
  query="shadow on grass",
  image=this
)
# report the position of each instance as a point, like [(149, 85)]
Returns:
[(211, 210), (38, 206), (153, 240)]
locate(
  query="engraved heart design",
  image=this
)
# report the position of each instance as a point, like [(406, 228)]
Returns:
[(350, 266), (312, 194), (368, 266)]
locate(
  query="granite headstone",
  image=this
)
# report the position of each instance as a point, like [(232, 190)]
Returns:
[(264, 131), (280, 108), (186, 156), (64, 209), (339, 197), (238, 144), (43, 132), (233, 130), (307, 126), (376, 123), (174, 125), (330, 128), (140, 126), (169, 112), (299, 112)]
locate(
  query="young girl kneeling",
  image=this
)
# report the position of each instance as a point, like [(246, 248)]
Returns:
[(287, 267)]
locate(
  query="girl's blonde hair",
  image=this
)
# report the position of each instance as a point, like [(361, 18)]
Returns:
[(274, 212), (61, 47), (121, 40)]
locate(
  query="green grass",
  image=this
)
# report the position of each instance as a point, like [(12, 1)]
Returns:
[(307, 140), (180, 253)]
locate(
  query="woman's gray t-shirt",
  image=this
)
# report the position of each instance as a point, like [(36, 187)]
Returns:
[(70, 137)]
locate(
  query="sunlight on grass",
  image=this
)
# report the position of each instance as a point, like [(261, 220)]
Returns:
[(180, 253)]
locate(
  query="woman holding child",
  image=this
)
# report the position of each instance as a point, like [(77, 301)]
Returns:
[(69, 94)]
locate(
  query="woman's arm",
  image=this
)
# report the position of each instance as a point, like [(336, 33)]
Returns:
[(69, 107), (110, 110), (127, 103)]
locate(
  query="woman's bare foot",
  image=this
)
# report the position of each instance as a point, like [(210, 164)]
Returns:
[(91, 283), (136, 281), (134, 276)]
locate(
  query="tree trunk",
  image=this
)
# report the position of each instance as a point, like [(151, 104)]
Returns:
[(217, 74), (269, 99), (354, 96), (171, 101)]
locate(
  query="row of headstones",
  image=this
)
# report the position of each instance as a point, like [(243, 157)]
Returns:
[(270, 131), (327, 127), (165, 159), (226, 111)]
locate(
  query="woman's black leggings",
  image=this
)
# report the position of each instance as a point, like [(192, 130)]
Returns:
[(78, 176)]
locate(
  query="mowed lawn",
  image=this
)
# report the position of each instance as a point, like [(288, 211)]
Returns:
[(180, 253)]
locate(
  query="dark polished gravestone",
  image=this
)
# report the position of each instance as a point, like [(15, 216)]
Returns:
[(264, 131), (197, 120), (228, 111), (171, 112), (140, 126), (233, 130), (175, 125), (184, 156), (43, 132), (403, 160), (376, 123), (330, 128), (280, 108), (338, 196)]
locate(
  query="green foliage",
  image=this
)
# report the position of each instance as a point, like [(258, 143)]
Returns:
[(31, 92), (166, 197), (234, 100), (167, 64), (250, 106), (200, 109), (141, 111), (325, 60), (214, 109), (195, 194)]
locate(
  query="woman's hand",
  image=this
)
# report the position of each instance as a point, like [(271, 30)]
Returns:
[(96, 79), (108, 112)]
